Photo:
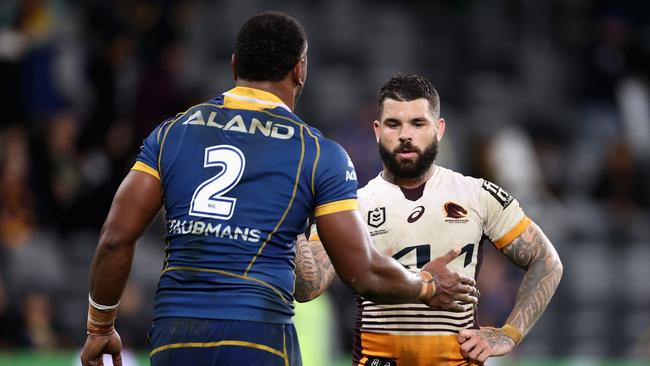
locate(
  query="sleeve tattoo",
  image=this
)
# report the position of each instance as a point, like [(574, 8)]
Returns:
[(533, 252), (314, 270)]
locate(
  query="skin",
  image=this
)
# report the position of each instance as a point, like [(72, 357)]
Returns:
[(344, 237), (414, 121), (533, 252)]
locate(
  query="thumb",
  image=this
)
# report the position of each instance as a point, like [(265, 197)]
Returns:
[(449, 256), (464, 335)]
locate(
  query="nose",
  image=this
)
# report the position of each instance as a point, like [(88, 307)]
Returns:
[(405, 134)]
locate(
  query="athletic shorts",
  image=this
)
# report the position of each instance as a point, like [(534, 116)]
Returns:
[(188, 341), (399, 350)]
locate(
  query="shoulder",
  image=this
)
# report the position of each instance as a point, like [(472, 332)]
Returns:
[(459, 180)]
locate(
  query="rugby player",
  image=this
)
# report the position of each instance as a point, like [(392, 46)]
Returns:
[(415, 210)]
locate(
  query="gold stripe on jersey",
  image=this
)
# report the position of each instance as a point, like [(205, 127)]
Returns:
[(142, 167), (251, 99), (313, 169), (336, 206), (262, 347), (513, 233), (286, 211), (419, 350)]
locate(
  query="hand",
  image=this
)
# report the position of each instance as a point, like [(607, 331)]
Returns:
[(453, 291), (97, 345), (479, 344)]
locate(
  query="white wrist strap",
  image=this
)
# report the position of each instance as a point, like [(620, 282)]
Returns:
[(100, 306)]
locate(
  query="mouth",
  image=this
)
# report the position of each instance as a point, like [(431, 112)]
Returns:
[(407, 154)]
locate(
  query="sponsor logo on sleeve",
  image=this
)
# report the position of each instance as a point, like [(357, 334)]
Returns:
[(503, 197), (350, 173)]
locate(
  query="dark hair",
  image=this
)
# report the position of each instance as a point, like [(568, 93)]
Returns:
[(408, 87), (268, 46)]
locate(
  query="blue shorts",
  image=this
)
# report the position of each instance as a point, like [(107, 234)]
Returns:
[(187, 341)]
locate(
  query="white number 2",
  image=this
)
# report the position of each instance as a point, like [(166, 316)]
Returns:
[(208, 199)]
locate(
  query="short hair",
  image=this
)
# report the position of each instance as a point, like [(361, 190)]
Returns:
[(268, 46), (408, 87)]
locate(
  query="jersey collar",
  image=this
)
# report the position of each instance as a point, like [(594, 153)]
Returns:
[(242, 97)]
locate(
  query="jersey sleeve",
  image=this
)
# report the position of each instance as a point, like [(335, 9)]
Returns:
[(335, 180), (505, 219), (147, 159)]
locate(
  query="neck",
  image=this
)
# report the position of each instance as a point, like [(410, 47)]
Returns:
[(279, 89), (408, 183)]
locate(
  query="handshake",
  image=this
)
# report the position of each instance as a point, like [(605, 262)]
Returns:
[(444, 289)]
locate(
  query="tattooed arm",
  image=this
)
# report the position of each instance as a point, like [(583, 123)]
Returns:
[(533, 252), (314, 271)]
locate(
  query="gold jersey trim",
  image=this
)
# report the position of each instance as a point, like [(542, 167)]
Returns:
[(336, 206), (513, 233), (142, 167)]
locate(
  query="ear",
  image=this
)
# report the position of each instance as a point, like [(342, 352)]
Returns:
[(377, 127), (297, 72), (440, 128), (233, 66)]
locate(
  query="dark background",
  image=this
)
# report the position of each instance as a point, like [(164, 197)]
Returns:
[(549, 99)]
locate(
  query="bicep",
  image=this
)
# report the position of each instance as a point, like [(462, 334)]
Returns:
[(134, 206), (529, 246)]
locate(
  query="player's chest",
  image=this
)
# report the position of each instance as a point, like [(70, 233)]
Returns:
[(415, 231)]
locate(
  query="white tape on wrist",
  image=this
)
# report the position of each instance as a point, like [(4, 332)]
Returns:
[(100, 306)]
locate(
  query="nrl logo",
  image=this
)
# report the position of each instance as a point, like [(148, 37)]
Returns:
[(377, 217)]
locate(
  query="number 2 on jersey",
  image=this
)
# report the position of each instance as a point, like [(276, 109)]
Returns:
[(208, 199)]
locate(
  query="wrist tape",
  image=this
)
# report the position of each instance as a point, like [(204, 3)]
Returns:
[(101, 318), (428, 286)]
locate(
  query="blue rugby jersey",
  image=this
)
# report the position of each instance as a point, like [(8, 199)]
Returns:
[(240, 174)]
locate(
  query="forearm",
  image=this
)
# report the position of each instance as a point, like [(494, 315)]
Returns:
[(533, 252), (372, 275), (314, 270), (110, 269), (388, 282)]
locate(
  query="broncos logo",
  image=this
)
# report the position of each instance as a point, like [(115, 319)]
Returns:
[(455, 211)]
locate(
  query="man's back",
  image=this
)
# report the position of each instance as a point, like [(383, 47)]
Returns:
[(240, 175)]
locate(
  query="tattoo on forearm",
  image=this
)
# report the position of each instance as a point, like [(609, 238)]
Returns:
[(314, 270), (533, 252)]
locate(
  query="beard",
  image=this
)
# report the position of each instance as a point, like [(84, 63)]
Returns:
[(409, 169)]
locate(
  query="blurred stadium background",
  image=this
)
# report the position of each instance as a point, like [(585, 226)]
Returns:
[(548, 98)]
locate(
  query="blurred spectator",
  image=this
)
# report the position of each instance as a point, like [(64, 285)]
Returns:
[(38, 319), (17, 218)]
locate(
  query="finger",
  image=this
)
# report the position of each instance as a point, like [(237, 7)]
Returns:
[(454, 307), (466, 289), (449, 256), (465, 334), (117, 359), (467, 299), (470, 344), (484, 355), (474, 353), (467, 281), (100, 360)]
